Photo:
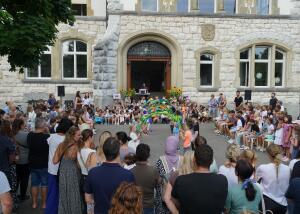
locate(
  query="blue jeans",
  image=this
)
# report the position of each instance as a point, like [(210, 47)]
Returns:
[(39, 177), (52, 195), (148, 211)]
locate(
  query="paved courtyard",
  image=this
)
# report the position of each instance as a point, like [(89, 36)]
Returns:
[(156, 142)]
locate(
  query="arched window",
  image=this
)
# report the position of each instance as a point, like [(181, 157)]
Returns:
[(43, 70), (206, 69), (74, 54), (264, 68)]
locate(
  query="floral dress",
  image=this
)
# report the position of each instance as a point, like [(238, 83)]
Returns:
[(286, 130)]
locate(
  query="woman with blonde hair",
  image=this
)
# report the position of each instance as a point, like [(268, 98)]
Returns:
[(97, 158), (250, 156), (127, 199), (187, 167), (228, 169), (274, 179)]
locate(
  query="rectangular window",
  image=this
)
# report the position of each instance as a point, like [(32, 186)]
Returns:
[(182, 5), (262, 7), (149, 5), (278, 74), (206, 74), (43, 70), (206, 6), (261, 74), (229, 6), (68, 68), (244, 74), (262, 52), (79, 9)]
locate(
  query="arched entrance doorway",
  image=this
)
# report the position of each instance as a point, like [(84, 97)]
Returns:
[(149, 62)]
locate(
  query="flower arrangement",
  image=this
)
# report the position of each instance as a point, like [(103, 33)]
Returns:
[(174, 92), (128, 93)]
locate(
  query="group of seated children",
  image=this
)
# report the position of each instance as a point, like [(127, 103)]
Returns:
[(257, 127)]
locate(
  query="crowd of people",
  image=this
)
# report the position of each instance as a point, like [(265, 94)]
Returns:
[(73, 172)]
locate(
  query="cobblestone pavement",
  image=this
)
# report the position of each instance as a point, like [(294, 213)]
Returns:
[(156, 141)]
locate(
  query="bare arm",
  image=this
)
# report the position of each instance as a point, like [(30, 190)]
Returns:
[(168, 200), (92, 160), (6, 203)]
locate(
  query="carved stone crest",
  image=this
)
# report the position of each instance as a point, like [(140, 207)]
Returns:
[(208, 32)]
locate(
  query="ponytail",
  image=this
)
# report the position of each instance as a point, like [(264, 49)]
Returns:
[(277, 162), (250, 191), (274, 152)]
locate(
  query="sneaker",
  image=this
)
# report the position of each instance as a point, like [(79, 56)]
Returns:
[(258, 148), (242, 147), (230, 141), (261, 149), (94, 131), (246, 147)]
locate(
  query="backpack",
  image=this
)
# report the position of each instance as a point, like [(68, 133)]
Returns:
[(168, 173)]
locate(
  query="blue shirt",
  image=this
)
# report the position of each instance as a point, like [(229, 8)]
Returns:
[(103, 181), (293, 193)]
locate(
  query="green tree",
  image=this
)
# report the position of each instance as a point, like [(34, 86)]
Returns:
[(27, 27)]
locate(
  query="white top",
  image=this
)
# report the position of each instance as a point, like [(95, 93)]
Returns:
[(270, 128), (278, 136), (86, 101), (53, 141), (4, 186), (292, 163), (229, 173), (274, 187), (239, 124), (134, 141), (85, 152)]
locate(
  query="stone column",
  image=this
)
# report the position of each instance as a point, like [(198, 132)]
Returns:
[(194, 6)]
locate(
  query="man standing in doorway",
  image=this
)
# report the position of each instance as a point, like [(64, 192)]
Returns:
[(238, 100), (273, 100)]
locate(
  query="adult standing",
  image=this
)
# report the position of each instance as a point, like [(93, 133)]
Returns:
[(99, 192), (54, 141), (273, 101), (146, 177), (70, 197), (238, 100), (200, 190), (78, 101), (293, 192), (212, 106), (8, 157), (274, 180), (38, 161), (22, 167), (135, 138), (6, 202), (166, 164)]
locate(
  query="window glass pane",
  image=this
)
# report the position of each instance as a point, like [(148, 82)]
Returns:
[(244, 54), (262, 7), (279, 55), (68, 46), (206, 57), (46, 65), (81, 66), (68, 69), (261, 74), (182, 5), (80, 46), (206, 74), (229, 6), (261, 52), (149, 5), (33, 72), (79, 9), (206, 6), (278, 74), (244, 73)]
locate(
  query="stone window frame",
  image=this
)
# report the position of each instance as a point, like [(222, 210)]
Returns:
[(49, 51), (74, 53), (273, 45), (216, 69)]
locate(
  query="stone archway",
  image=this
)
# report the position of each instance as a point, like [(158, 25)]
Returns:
[(155, 36)]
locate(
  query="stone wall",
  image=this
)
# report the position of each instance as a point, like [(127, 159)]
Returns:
[(230, 35), (13, 86)]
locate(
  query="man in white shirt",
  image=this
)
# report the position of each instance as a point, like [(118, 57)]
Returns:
[(6, 202)]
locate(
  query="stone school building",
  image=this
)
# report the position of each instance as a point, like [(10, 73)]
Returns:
[(202, 46)]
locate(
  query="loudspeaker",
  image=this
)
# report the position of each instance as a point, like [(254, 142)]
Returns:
[(61, 91), (248, 94)]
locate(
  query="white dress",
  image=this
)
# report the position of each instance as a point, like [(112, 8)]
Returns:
[(278, 136)]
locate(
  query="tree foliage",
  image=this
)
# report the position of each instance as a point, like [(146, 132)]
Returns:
[(27, 27)]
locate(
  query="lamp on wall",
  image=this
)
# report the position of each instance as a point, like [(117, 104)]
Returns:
[(277, 80), (259, 75)]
